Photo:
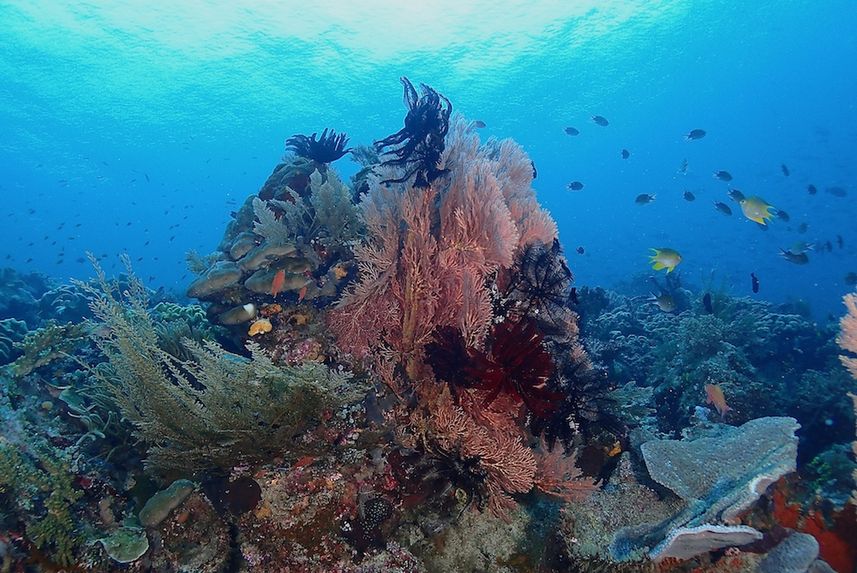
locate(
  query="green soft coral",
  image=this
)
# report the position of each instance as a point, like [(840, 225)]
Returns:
[(43, 496)]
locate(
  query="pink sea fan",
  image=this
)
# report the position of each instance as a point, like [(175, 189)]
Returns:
[(430, 251)]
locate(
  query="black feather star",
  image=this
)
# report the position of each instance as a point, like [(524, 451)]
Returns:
[(326, 149), (418, 146)]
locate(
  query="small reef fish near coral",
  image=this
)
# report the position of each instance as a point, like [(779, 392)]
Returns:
[(384, 352)]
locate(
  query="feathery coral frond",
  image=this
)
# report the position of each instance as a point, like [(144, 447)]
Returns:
[(847, 338), (557, 475)]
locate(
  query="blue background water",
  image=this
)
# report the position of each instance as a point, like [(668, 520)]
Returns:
[(139, 127)]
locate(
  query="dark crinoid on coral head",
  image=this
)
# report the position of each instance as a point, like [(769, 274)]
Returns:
[(539, 287), (326, 149), (584, 408), (421, 141), (517, 365)]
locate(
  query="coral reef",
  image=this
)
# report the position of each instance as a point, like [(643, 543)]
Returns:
[(399, 376), (767, 361), (715, 476)]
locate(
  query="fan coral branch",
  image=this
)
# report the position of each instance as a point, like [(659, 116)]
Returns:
[(847, 338), (557, 475), (431, 254)]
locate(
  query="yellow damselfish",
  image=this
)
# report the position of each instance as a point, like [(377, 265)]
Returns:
[(757, 209), (665, 258)]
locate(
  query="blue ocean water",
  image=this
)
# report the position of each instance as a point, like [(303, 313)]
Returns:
[(138, 127)]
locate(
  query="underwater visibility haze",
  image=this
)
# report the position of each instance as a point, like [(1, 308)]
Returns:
[(433, 286)]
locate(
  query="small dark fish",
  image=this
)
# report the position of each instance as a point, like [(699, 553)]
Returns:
[(736, 195), (683, 168), (626, 154), (572, 131), (146, 175), (644, 198), (139, 259), (706, 303), (783, 215), (802, 228), (840, 242), (146, 244), (479, 124), (796, 258), (573, 296), (600, 120), (837, 191), (688, 196), (754, 282), (575, 186), (785, 169), (31, 211), (535, 172), (172, 238), (29, 260), (723, 175), (811, 189), (851, 279), (80, 260), (580, 250), (695, 134), (828, 246), (723, 208)]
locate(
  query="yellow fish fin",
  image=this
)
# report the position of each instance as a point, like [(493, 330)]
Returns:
[(659, 266)]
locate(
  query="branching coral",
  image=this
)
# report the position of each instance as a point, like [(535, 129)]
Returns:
[(421, 141), (43, 346), (326, 149), (189, 411)]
